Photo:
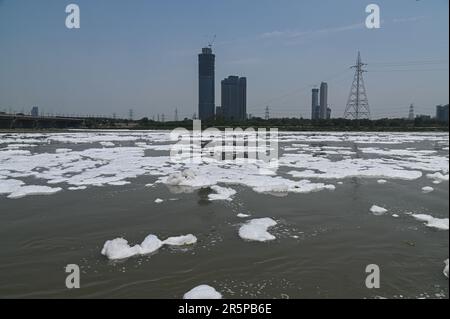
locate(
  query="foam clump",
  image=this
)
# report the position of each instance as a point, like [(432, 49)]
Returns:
[(256, 229), (203, 292), (438, 177), (446, 268), (181, 240), (221, 193), (439, 223), (427, 189), (377, 210), (150, 244), (119, 248), (8, 186), (29, 190)]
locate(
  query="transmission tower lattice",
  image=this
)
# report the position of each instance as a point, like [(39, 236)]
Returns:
[(411, 112), (130, 114), (358, 104), (267, 114)]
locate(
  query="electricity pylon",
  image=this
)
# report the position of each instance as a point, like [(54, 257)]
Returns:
[(358, 104)]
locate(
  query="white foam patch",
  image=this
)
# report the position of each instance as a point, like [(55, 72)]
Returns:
[(8, 186), (377, 210), (187, 178), (181, 240), (240, 215), (77, 188), (158, 201), (150, 244), (381, 181), (427, 189), (446, 268), (221, 193), (117, 165), (256, 229), (438, 177), (29, 190), (203, 292), (119, 183), (120, 249), (107, 144), (430, 221)]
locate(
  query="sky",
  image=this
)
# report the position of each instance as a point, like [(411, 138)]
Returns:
[(142, 55)]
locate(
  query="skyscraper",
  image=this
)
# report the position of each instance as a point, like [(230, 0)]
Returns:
[(315, 104), (323, 101), (234, 98), (206, 91), (35, 111), (442, 113)]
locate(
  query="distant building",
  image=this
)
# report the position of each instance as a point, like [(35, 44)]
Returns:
[(219, 112), (315, 107), (234, 98), (423, 117), (206, 91), (442, 113), (323, 100), (319, 108), (35, 111)]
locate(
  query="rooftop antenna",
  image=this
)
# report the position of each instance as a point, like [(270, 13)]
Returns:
[(211, 43)]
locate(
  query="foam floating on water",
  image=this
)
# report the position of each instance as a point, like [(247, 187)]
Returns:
[(203, 292), (29, 190), (439, 223), (382, 181), (438, 177), (446, 268), (188, 178), (119, 248), (256, 229), (107, 144), (377, 210), (181, 240), (222, 193), (427, 189), (150, 244), (8, 186)]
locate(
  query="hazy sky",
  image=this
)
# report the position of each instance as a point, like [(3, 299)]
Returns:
[(142, 54)]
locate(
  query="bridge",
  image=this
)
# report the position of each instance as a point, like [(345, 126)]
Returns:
[(23, 121)]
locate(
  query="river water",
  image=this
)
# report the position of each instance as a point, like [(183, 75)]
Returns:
[(63, 195)]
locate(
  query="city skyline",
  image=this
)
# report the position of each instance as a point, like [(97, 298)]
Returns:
[(135, 60)]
